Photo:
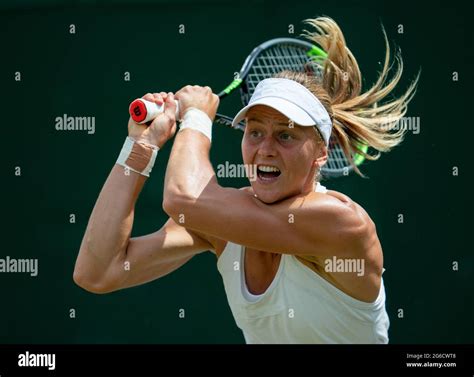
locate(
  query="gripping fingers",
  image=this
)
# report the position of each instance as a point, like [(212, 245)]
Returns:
[(171, 107), (151, 105), (149, 97), (158, 98)]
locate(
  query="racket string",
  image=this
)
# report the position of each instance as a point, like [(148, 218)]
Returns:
[(274, 60), (293, 58)]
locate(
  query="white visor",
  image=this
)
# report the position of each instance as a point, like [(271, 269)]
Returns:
[(292, 100)]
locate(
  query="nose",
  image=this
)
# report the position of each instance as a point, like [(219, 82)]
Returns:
[(267, 147)]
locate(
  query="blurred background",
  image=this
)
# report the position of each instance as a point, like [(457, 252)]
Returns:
[(85, 74)]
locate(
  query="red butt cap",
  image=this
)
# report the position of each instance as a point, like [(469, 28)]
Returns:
[(137, 111)]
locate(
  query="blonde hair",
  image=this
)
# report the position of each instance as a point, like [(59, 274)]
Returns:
[(358, 118)]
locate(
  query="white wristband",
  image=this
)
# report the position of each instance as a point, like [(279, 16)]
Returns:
[(198, 120), (138, 156)]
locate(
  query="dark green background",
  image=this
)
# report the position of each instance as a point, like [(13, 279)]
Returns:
[(63, 172)]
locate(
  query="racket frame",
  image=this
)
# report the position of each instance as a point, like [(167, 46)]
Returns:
[(239, 82)]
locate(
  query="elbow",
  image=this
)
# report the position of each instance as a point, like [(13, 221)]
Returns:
[(176, 205), (169, 205), (178, 201), (91, 285)]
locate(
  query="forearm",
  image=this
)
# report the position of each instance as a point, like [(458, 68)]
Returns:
[(189, 170), (110, 224)]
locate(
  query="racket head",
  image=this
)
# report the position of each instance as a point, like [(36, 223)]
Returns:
[(272, 57), (276, 55), (337, 164)]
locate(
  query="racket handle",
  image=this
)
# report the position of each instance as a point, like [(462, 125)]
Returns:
[(143, 111)]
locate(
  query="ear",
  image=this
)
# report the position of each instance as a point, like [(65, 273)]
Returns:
[(323, 156)]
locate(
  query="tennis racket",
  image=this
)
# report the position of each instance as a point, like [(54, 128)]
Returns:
[(265, 61)]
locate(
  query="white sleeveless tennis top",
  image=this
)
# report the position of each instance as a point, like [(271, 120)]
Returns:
[(299, 306)]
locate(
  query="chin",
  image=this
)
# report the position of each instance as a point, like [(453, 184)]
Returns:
[(267, 196), (268, 199)]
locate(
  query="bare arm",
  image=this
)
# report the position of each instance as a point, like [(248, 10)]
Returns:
[(108, 231), (319, 223), (108, 258)]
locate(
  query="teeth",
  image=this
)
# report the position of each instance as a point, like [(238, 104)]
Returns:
[(268, 169)]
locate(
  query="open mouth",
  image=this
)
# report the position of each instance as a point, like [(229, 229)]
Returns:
[(268, 173)]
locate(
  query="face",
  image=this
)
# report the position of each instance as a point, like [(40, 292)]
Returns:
[(287, 155)]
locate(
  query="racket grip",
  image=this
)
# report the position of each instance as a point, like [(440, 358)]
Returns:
[(143, 111)]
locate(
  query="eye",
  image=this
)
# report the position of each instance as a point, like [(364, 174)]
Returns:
[(286, 136), (254, 133)]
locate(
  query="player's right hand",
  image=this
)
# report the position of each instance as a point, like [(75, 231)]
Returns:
[(162, 128)]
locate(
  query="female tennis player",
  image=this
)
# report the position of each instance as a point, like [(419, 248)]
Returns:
[(300, 264)]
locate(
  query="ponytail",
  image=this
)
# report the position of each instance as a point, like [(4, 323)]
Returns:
[(358, 118)]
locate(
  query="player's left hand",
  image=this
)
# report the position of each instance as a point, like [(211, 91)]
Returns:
[(198, 97)]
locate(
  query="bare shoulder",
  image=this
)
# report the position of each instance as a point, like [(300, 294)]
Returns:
[(345, 200), (370, 244), (345, 213), (368, 250)]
